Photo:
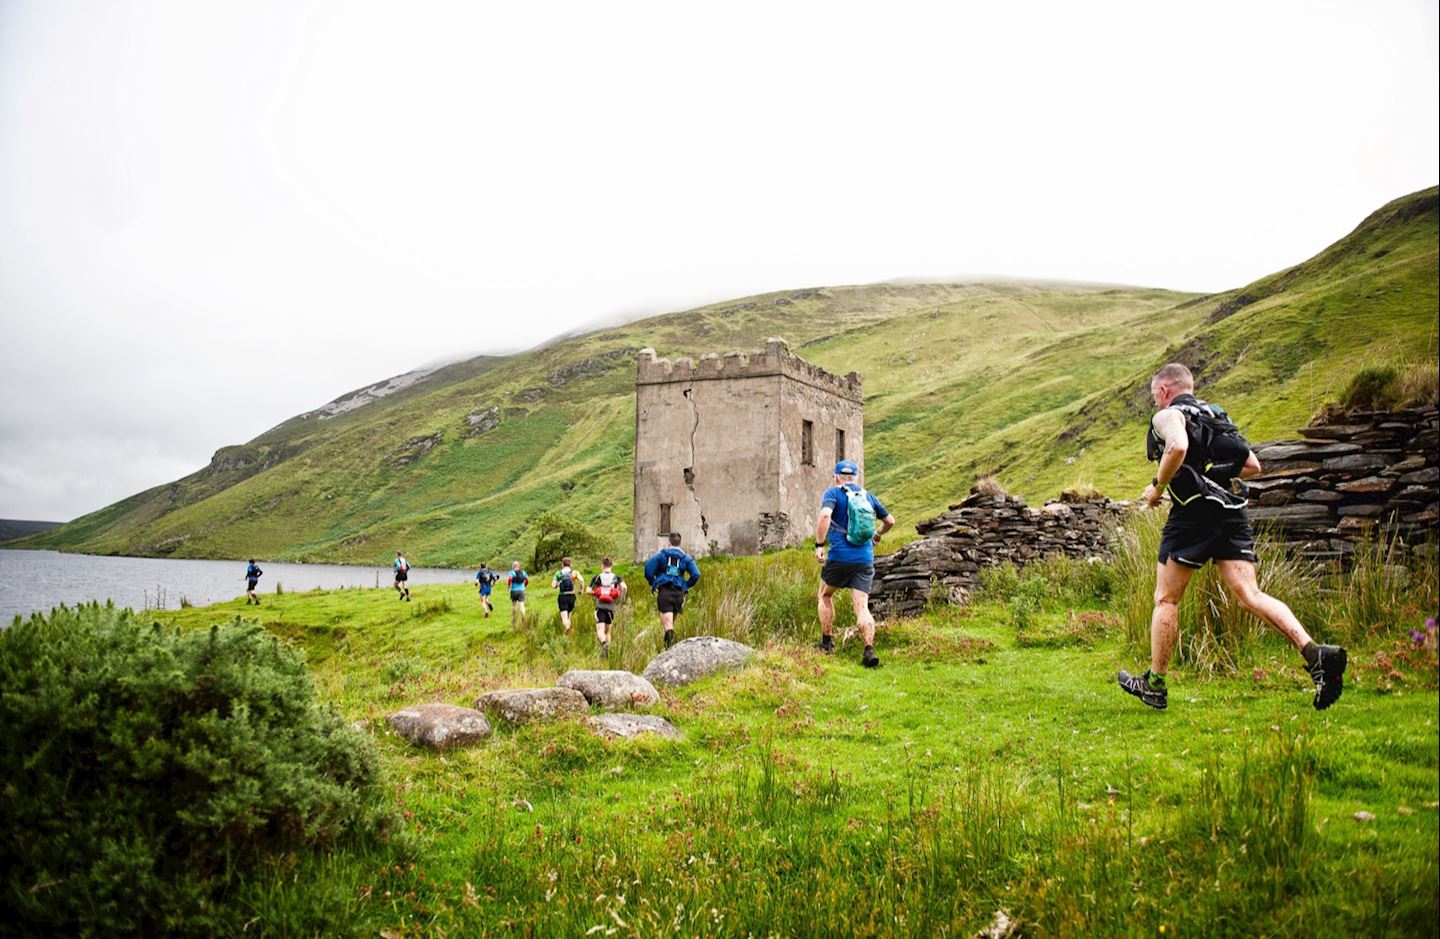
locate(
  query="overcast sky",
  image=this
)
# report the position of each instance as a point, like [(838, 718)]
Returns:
[(214, 216)]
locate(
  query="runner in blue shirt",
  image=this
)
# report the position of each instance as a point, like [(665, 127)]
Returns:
[(847, 527), (487, 579), (252, 577), (671, 573)]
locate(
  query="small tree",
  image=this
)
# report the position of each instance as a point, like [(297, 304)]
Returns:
[(557, 537)]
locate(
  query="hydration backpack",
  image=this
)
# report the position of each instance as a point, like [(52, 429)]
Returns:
[(565, 579), (860, 526), (1220, 449), (673, 565), (606, 593)]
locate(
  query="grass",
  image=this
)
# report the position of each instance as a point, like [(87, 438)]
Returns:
[(977, 770)]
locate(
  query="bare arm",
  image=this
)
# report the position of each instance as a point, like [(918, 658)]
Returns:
[(822, 528), (1251, 467), (886, 523), (1170, 425)]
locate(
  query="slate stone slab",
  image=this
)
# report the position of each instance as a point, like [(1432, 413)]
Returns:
[(695, 658), (523, 705), (440, 726), (610, 688), (631, 725)]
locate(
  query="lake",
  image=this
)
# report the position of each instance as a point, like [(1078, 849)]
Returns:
[(37, 581)]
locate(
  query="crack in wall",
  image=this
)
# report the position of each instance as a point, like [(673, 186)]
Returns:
[(690, 470)]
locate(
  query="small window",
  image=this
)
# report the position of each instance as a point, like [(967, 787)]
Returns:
[(807, 443), (664, 519), (839, 445)]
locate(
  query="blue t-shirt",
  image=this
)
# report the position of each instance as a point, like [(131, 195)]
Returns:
[(840, 549), (486, 578)]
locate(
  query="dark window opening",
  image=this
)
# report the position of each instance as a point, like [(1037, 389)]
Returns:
[(839, 445), (807, 443), (690, 476), (664, 519)]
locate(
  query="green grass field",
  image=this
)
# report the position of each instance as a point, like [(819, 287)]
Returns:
[(989, 764)]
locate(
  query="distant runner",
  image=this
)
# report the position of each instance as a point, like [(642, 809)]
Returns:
[(1201, 453), (252, 577), (671, 573), (402, 577), (845, 537), (567, 580), (486, 579), (608, 590), (517, 579)]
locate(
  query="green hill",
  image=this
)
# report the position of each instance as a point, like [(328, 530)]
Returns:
[(1042, 383)]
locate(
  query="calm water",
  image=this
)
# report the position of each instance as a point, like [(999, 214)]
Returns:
[(36, 581)]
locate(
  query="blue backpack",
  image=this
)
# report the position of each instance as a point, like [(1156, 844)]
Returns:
[(860, 527)]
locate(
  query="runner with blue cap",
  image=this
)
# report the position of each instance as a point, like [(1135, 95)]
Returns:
[(845, 537)]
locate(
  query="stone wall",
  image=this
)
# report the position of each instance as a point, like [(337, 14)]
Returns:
[(984, 531), (1330, 489)]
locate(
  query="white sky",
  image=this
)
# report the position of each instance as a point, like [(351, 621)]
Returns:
[(214, 216)]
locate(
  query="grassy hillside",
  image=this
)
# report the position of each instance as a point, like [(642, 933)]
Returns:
[(1043, 384)]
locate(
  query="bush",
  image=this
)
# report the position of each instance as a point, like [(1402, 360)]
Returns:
[(145, 770)]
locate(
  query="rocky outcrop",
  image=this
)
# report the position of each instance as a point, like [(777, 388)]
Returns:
[(523, 705), (482, 421), (694, 658), (987, 529), (610, 688), (591, 366), (413, 449), (440, 726), (1377, 471), (631, 725)]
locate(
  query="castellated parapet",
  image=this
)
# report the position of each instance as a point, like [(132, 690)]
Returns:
[(734, 451)]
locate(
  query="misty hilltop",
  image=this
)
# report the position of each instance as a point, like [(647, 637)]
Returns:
[(1043, 384)]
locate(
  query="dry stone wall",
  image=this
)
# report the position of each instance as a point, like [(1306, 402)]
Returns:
[(984, 531), (1323, 493)]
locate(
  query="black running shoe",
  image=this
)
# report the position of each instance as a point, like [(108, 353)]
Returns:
[(669, 637), (826, 644), (1329, 675), (1139, 686), (870, 659)]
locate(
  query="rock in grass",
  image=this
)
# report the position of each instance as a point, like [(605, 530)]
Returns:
[(610, 688), (1364, 816), (631, 725), (695, 658), (523, 705), (440, 726)]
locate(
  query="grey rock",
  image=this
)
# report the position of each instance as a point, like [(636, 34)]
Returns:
[(631, 725), (1426, 476), (440, 726), (610, 688), (691, 659), (1355, 461), (523, 705)]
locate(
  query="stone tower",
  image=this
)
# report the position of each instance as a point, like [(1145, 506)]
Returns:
[(734, 452)]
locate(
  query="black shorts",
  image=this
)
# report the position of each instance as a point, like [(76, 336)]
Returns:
[(517, 596), (1193, 540), (252, 584), (401, 576), (603, 615), (567, 602), (839, 574), (669, 598)]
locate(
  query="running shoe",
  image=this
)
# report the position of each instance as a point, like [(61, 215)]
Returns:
[(870, 659), (826, 644), (1139, 686), (1328, 673), (669, 637)]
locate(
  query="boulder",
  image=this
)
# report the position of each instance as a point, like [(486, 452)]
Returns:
[(695, 658), (523, 705), (631, 725), (440, 726), (610, 688)]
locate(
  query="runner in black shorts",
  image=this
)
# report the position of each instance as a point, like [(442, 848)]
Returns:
[(671, 573), (1207, 522), (402, 576), (850, 525), (566, 580), (609, 589)]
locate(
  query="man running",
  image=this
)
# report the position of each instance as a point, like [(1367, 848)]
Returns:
[(566, 580), (671, 573), (1200, 452), (486, 579), (517, 579), (845, 537), (608, 589), (252, 577), (402, 577)]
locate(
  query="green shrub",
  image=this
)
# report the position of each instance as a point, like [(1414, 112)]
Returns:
[(145, 770), (1372, 388)]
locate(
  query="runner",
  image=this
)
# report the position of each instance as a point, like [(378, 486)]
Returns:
[(845, 537), (402, 577), (486, 579), (608, 589), (566, 580), (671, 573), (252, 577), (517, 579), (1201, 452)]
